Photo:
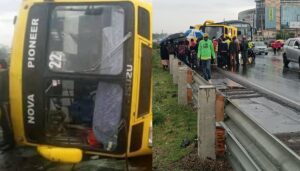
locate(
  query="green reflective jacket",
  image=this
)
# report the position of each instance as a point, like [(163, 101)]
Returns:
[(206, 50)]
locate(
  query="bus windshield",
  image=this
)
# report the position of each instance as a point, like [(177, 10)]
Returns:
[(214, 31)]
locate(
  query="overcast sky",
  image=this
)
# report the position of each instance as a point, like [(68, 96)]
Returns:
[(169, 16), (177, 15)]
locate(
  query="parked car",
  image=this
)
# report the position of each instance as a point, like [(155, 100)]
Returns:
[(291, 51), (260, 48)]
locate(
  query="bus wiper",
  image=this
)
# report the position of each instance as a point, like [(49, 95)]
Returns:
[(109, 54)]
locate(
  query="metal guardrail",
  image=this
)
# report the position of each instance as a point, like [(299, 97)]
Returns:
[(197, 82), (249, 145), (268, 93)]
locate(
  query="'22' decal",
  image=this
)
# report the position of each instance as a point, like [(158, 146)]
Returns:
[(55, 60)]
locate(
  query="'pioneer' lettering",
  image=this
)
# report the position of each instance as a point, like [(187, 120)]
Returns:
[(30, 109), (32, 42)]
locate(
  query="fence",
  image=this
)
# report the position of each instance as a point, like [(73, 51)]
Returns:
[(248, 145)]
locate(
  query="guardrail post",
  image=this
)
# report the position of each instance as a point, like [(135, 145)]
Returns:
[(176, 64), (206, 121), (171, 58), (189, 88), (220, 107), (182, 85), (220, 132)]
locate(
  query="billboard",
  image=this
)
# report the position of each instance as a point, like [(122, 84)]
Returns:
[(290, 15), (270, 17), (294, 24)]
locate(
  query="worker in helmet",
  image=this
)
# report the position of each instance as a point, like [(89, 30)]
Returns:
[(206, 54)]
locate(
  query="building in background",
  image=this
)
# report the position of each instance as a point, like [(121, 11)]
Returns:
[(260, 15), (273, 16), (290, 14), (248, 16)]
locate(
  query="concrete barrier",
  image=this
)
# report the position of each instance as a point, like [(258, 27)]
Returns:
[(206, 121), (171, 58), (182, 86), (176, 64)]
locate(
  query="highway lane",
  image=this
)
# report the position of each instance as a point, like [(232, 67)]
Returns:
[(268, 72)]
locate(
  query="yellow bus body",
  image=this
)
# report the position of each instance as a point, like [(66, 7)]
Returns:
[(70, 154)]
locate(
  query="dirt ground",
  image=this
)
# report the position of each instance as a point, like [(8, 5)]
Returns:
[(192, 162)]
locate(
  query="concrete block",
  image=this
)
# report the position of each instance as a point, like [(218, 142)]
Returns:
[(220, 107), (182, 86), (171, 58), (176, 64), (206, 122)]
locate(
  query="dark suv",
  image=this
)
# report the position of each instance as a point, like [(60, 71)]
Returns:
[(291, 51)]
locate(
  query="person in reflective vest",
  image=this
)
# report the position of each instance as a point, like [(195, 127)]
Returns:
[(206, 54)]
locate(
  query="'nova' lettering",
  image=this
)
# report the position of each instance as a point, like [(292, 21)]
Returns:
[(30, 109)]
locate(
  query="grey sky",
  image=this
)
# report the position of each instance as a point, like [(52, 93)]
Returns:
[(169, 16), (177, 15), (8, 9)]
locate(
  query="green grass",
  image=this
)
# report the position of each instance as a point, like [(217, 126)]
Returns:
[(172, 122)]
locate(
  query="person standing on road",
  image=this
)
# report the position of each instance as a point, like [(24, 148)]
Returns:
[(233, 52), (198, 62), (223, 53), (244, 50), (216, 44), (164, 55), (227, 40), (205, 54), (237, 59), (171, 48), (275, 46), (181, 51), (193, 54)]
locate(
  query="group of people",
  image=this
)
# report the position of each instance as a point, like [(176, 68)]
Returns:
[(201, 53), (185, 51), (229, 49), (276, 46)]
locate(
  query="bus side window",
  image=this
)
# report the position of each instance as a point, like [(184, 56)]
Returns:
[(145, 84), (226, 31), (144, 23), (3, 86)]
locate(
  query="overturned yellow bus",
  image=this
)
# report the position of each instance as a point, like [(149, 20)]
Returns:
[(80, 78)]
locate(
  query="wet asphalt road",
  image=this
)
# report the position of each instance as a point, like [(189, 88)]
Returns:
[(278, 119), (268, 72)]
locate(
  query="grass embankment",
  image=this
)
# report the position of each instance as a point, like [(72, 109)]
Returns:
[(172, 122)]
